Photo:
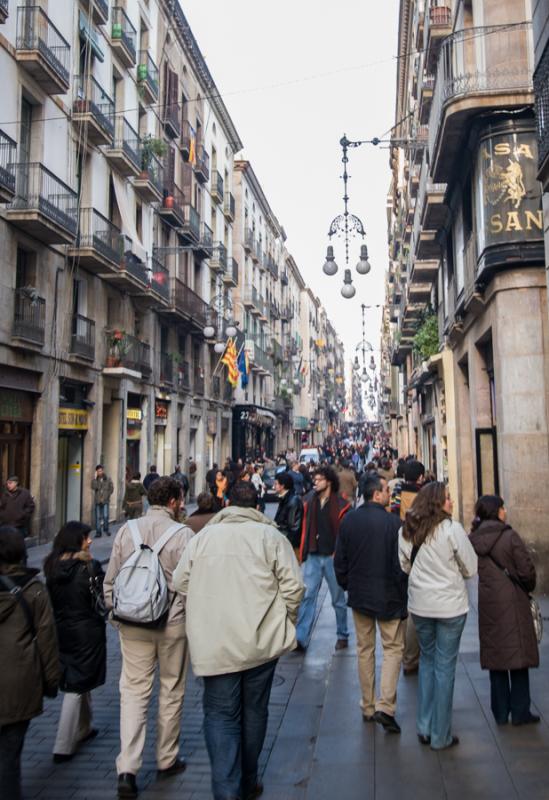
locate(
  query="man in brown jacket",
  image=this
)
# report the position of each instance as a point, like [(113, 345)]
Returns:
[(16, 506), (145, 648)]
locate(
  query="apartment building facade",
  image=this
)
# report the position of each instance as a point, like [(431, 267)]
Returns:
[(464, 332)]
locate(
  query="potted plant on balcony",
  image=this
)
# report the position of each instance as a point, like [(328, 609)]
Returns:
[(150, 147), (116, 30), (118, 344)]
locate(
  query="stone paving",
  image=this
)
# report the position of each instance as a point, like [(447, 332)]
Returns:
[(318, 747)]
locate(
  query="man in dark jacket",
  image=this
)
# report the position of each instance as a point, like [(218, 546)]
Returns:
[(366, 565), (289, 514), (102, 488), (181, 478), (323, 510), (16, 506), (29, 665)]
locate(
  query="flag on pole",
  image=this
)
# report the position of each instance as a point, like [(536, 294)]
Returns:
[(243, 367), (229, 359)]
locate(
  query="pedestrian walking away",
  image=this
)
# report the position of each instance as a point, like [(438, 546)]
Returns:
[(29, 662), (243, 587), (436, 553), (102, 488), (367, 566), (71, 575), (289, 514), (16, 506), (132, 504), (181, 478), (323, 510), (204, 512), (146, 647), (508, 644)]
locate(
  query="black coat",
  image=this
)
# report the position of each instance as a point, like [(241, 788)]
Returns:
[(366, 563), (80, 630), (506, 631), (289, 517)]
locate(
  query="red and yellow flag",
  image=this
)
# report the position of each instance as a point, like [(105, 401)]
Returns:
[(230, 360)]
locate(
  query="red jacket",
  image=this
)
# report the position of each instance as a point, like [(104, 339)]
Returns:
[(343, 506)]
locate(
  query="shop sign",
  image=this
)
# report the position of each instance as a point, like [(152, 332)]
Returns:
[(161, 412), (134, 416), (73, 419), (133, 431), (15, 406), (255, 416), (508, 193)]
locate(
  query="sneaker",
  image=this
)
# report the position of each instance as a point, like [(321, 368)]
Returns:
[(127, 786), (179, 765), (341, 644), (389, 723)]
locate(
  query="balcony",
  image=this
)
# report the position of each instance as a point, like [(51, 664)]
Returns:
[(256, 255), (132, 275), (183, 376), (29, 316), (187, 304), (541, 89), (439, 25), (43, 206), (83, 337), (218, 257), (229, 207), (123, 153), (123, 37), (216, 388), (127, 356), (92, 112), (205, 243), (4, 11), (166, 369), (435, 211), (190, 230), (423, 271), (202, 166), (427, 247), (149, 182), (187, 136), (41, 50), (7, 174), (160, 281), (230, 275), (172, 207), (278, 352), (171, 121), (147, 78), (249, 240), (99, 245), (480, 70), (100, 11), (425, 98), (258, 357), (217, 187)]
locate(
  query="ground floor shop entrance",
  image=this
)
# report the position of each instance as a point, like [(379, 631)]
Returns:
[(16, 410)]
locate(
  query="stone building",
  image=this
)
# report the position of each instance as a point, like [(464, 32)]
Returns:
[(465, 325)]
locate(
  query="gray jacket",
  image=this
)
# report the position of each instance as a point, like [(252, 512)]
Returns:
[(102, 489)]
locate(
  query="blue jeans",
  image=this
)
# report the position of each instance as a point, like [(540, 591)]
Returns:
[(438, 645), (236, 709), (101, 517), (314, 569)]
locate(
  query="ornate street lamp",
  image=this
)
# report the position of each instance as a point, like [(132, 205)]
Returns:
[(216, 325)]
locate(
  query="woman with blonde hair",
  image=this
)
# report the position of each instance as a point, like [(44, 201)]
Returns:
[(436, 553)]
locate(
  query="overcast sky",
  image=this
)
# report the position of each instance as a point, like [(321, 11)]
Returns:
[(295, 75)]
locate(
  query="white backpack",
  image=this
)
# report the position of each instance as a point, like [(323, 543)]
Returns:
[(140, 591)]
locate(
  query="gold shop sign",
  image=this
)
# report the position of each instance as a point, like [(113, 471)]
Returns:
[(73, 419), (134, 414), (508, 193)]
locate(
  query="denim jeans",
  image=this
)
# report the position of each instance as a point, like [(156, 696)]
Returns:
[(12, 738), (101, 517), (439, 645), (235, 722), (314, 569)]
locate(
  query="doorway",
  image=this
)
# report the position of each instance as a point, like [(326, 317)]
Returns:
[(69, 478)]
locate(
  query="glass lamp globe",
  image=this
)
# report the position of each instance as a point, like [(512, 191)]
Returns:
[(219, 347), (330, 267), (348, 290), (230, 330), (283, 382), (209, 332), (363, 266)]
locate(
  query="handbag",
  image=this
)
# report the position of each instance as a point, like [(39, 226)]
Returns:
[(535, 610), (96, 592)]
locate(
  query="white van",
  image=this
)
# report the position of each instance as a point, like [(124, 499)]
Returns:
[(309, 454)]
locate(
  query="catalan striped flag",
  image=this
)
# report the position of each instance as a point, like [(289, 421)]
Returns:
[(230, 361)]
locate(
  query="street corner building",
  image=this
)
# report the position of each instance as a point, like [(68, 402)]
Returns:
[(135, 246), (464, 328)]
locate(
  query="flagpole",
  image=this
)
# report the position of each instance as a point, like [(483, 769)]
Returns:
[(220, 357)]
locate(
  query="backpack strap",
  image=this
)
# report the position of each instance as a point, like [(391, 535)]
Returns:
[(165, 538), (136, 536), (17, 592)]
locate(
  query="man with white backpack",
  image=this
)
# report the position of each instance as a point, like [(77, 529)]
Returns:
[(151, 621)]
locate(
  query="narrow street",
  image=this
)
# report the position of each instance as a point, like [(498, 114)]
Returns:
[(317, 746)]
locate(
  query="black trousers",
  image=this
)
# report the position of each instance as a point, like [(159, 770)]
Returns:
[(12, 738), (510, 694)]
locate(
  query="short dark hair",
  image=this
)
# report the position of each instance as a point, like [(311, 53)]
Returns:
[(12, 546), (99, 466), (331, 476), (205, 501), (152, 468), (136, 476), (243, 494), (371, 485), (413, 470), (163, 490), (285, 480)]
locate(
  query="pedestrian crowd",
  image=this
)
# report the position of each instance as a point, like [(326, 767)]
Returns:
[(232, 591)]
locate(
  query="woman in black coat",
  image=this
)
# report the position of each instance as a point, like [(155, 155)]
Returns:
[(70, 573), (508, 643)]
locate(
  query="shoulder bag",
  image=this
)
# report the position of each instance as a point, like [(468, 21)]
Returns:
[(535, 610), (96, 592)]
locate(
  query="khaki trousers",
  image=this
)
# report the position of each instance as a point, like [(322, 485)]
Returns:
[(166, 648), (75, 722), (392, 639)]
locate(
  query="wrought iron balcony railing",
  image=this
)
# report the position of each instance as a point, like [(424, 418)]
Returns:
[(126, 138), (217, 186), (92, 99), (147, 75), (97, 232), (160, 279), (541, 89), (124, 32), (229, 207), (38, 189), (29, 316), (83, 337), (7, 156), (37, 35), (166, 368)]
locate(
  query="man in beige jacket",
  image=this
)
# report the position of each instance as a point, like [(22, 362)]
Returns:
[(145, 648), (243, 586)]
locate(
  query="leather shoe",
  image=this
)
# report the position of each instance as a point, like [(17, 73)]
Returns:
[(424, 739), (341, 644), (531, 719), (179, 765), (92, 733), (257, 791), (127, 786), (389, 723), (60, 758)]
